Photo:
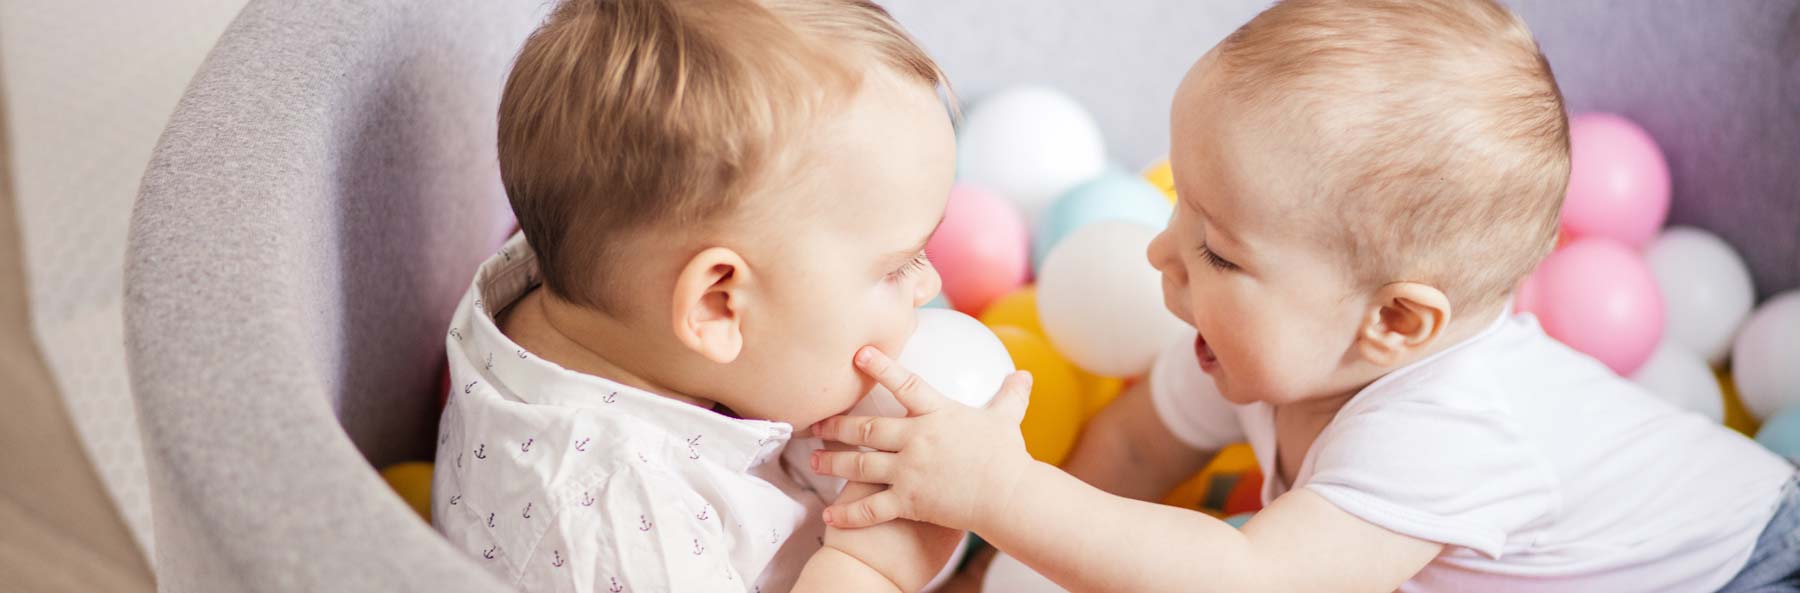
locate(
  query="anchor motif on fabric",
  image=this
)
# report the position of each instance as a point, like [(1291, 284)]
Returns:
[(489, 553), (527, 513), (616, 588), (644, 523), (481, 451), (490, 520), (587, 500), (581, 445), (455, 499), (694, 447), (705, 512), (470, 386), (557, 554), (525, 447)]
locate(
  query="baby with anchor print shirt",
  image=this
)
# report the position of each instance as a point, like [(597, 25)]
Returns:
[(721, 201)]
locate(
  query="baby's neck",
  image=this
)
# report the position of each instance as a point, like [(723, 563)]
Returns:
[(586, 342)]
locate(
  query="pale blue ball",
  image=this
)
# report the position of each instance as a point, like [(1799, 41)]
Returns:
[(1781, 434), (1238, 520), (1115, 195)]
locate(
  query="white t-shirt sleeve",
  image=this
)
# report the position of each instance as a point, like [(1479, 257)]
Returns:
[(1460, 475), (633, 531), (1188, 402)]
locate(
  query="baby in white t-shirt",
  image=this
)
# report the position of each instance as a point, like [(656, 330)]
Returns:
[(1362, 183)]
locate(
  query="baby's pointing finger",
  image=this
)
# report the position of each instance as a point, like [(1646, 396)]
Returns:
[(913, 394)]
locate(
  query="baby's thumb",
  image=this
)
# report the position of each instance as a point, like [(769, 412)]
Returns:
[(1014, 397)]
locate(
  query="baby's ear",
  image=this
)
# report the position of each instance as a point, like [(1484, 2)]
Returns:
[(1403, 319), (709, 304)]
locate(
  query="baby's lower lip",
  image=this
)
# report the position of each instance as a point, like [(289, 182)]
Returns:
[(1208, 361)]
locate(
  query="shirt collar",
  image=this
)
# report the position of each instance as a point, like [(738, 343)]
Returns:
[(521, 376)]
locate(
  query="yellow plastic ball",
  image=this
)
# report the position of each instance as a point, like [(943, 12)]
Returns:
[(412, 481), (1737, 417), (1161, 175), (1054, 419), (1192, 494), (1017, 309), (1098, 391)]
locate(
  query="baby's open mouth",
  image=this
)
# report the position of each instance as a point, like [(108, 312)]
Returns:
[(1208, 361)]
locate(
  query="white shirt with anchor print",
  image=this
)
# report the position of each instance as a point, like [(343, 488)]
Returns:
[(559, 481)]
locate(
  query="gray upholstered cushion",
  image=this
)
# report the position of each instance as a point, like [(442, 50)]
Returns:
[(314, 209)]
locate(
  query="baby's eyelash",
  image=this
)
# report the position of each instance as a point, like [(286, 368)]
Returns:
[(913, 266), (1214, 260)]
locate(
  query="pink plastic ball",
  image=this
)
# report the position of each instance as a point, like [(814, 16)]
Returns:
[(1599, 297), (1618, 181), (981, 251)]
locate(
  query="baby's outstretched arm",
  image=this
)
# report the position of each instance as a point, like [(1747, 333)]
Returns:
[(967, 468)]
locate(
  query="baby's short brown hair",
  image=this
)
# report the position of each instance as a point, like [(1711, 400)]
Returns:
[(1445, 151), (623, 115)]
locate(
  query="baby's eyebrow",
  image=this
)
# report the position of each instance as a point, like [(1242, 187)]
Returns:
[(1210, 221)]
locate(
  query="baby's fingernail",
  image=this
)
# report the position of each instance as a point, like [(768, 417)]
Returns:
[(828, 519), (815, 461), (863, 355)]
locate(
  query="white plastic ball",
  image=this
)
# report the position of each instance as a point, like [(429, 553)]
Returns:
[(1765, 359), (1030, 144), (1706, 290), (1101, 302), (951, 352), (1681, 377)]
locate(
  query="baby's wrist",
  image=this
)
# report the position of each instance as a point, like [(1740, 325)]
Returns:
[(995, 506)]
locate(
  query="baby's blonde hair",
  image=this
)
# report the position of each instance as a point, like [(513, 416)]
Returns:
[(620, 115), (1445, 147)]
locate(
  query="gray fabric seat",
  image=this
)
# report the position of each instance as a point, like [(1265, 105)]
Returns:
[(328, 184), (316, 206)]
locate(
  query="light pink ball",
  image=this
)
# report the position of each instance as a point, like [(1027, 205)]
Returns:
[(981, 251), (1599, 297), (1618, 181)]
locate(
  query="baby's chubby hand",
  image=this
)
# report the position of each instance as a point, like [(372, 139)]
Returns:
[(945, 463)]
